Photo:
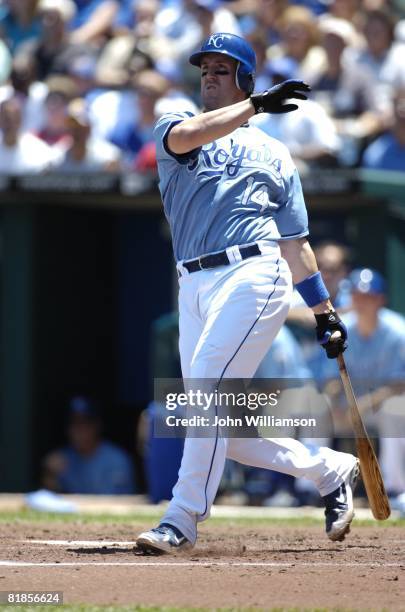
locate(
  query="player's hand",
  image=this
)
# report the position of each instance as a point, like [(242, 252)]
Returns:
[(273, 100), (326, 325)]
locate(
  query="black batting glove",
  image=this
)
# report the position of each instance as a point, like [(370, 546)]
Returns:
[(272, 100), (326, 325)]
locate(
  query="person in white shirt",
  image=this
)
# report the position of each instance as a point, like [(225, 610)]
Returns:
[(85, 153), (310, 135), (20, 152)]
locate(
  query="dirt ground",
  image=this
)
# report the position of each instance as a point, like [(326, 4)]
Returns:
[(236, 566)]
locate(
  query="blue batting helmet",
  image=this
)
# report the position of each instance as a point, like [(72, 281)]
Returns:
[(366, 280), (235, 47)]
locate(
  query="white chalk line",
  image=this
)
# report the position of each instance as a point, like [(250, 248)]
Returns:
[(83, 543), (230, 564), (118, 543)]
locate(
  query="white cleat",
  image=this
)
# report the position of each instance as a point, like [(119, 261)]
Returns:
[(339, 510), (162, 539)]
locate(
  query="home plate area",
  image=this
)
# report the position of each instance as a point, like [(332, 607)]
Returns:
[(265, 566)]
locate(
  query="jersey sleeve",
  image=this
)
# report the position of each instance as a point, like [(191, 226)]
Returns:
[(292, 216), (161, 133)]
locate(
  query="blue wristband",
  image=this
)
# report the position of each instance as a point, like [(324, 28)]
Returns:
[(312, 289)]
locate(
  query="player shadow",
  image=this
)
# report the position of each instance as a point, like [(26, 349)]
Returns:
[(101, 550), (328, 549)]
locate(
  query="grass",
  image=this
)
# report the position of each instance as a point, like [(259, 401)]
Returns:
[(32, 516), (90, 608)]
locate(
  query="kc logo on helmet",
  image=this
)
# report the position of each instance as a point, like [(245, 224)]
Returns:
[(217, 40)]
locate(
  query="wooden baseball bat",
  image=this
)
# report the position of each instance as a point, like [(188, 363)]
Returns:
[(370, 470)]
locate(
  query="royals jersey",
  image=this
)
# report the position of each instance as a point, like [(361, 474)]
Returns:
[(239, 189)]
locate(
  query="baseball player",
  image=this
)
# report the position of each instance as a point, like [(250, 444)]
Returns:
[(235, 206)]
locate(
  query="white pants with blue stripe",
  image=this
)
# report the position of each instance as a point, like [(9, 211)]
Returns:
[(229, 317)]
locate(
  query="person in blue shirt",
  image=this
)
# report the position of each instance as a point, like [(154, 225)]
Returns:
[(19, 22), (388, 151), (88, 464), (376, 364)]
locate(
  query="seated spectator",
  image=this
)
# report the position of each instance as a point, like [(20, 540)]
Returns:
[(382, 56), (20, 151), (388, 151), (310, 134), (345, 9), (5, 62), (19, 22), (258, 40), (23, 84), (88, 464), (86, 153), (149, 87), (348, 92), (61, 90), (300, 42), (53, 51), (185, 22), (376, 333), (92, 21), (131, 51), (333, 260), (268, 16)]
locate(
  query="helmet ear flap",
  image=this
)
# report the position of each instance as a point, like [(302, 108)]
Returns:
[(244, 80)]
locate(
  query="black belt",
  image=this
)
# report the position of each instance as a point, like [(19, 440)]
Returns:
[(220, 259)]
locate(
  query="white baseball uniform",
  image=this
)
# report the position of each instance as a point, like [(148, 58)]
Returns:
[(240, 190)]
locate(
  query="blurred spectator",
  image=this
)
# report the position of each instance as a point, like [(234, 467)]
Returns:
[(333, 260), (82, 69), (213, 16), (129, 52), (88, 464), (92, 21), (383, 56), (348, 92), (19, 22), (346, 9), (388, 151), (309, 134), (24, 85), (284, 359), (86, 153), (300, 42), (149, 87), (53, 51), (258, 40), (61, 90), (267, 17), (185, 22), (20, 151), (376, 334), (169, 97), (5, 62)]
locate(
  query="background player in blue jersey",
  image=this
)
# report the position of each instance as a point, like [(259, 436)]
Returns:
[(234, 202)]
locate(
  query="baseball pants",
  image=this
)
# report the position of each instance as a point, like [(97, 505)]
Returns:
[(229, 317)]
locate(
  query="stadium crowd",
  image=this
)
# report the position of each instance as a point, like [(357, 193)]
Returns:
[(83, 81)]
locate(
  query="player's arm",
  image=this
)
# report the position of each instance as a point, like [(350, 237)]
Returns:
[(308, 282), (202, 129), (197, 131)]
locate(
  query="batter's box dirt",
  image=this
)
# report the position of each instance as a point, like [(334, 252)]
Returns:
[(233, 565)]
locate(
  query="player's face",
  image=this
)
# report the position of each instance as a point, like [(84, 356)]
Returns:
[(218, 87)]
